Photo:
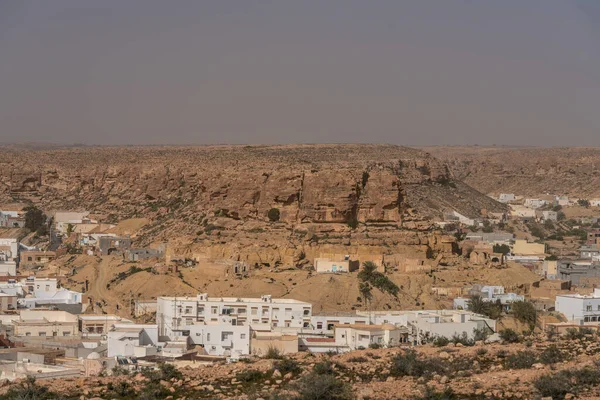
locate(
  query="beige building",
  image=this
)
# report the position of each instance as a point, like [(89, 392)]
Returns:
[(97, 325), (524, 248), (261, 342), (8, 302), (45, 323), (31, 259), (325, 265)]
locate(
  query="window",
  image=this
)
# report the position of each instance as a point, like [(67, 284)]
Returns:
[(275, 324), (42, 333), (380, 340), (200, 310), (208, 336), (214, 310), (588, 307), (28, 258), (225, 336), (287, 324), (27, 333), (363, 337), (319, 325), (254, 311), (66, 333), (306, 325), (243, 336), (343, 336), (241, 311), (188, 310), (288, 310), (306, 312), (598, 307)]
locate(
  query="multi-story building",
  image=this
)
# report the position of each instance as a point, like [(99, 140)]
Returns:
[(578, 307), (175, 313)]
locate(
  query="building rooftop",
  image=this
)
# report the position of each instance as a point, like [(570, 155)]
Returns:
[(234, 300)]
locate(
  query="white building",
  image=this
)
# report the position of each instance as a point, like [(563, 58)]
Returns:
[(535, 203), (9, 247), (458, 217), (415, 326), (220, 340), (174, 313), (354, 337), (561, 200), (45, 291), (129, 340), (578, 307), (506, 197), (517, 211), (8, 267), (549, 215)]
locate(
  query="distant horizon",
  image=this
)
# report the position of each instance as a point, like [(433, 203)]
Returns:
[(75, 145)]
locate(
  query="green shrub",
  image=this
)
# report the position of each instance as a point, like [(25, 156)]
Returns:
[(117, 370), (520, 360), (432, 394), (552, 355), (324, 368), (323, 387), (250, 376), (288, 365), (441, 341), (408, 363), (577, 333), (273, 214), (273, 353), (374, 346), (558, 384), (509, 336), (358, 359), (482, 351), (462, 339), (28, 390)]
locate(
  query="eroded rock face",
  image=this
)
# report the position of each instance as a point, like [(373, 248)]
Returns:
[(214, 201)]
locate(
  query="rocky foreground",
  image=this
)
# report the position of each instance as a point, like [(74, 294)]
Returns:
[(538, 368)]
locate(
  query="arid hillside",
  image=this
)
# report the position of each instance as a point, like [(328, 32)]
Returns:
[(573, 171), (273, 205)]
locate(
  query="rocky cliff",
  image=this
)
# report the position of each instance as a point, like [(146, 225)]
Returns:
[(214, 201), (573, 171)]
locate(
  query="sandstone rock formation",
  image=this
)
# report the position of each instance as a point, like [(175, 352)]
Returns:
[(214, 202)]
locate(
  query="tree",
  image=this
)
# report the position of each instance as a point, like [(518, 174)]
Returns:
[(487, 226), (477, 305), (273, 214), (583, 203), (525, 312), (365, 291), (35, 220), (502, 248), (561, 216), (70, 229)]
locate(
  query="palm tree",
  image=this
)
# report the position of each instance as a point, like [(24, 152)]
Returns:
[(477, 305)]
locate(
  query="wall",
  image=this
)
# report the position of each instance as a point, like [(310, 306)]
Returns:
[(285, 344), (521, 247)]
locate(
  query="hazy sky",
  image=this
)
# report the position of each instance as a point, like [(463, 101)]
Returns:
[(516, 72)]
